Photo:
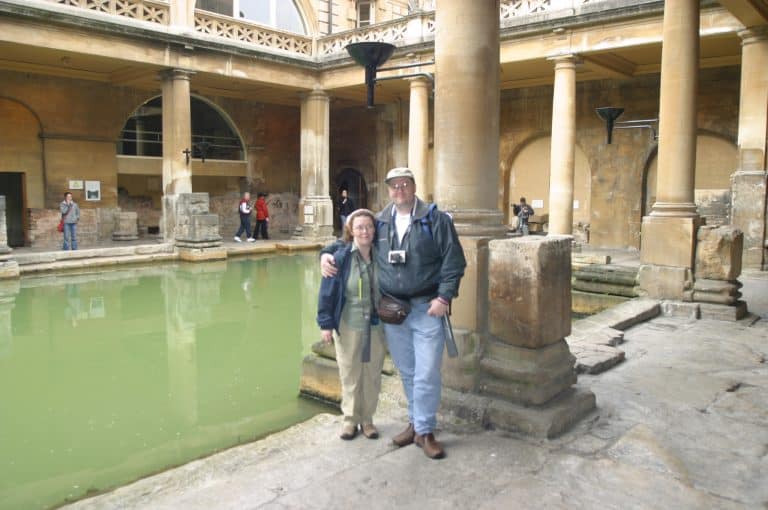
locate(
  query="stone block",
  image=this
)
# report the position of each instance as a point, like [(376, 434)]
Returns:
[(718, 253), (547, 421), (734, 312), (202, 254), (665, 282), (592, 358), (680, 309), (669, 241), (188, 204), (126, 226), (748, 210), (530, 290), (462, 373), (526, 376), (469, 309), (9, 269), (320, 379)]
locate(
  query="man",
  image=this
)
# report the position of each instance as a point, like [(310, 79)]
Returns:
[(70, 215), (524, 212), (262, 216), (345, 208), (419, 260), (244, 209)]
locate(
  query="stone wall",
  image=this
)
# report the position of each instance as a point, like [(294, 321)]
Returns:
[(283, 217), (43, 233)]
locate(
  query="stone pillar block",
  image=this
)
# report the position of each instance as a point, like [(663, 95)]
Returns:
[(666, 282), (718, 253), (462, 373), (530, 290), (126, 226), (748, 205), (527, 376), (469, 309), (3, 227), (669, 241), (316, 217)]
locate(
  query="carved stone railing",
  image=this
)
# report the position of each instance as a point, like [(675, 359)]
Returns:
[(152, 11), (510, 9), (392, 32), (244, 31)]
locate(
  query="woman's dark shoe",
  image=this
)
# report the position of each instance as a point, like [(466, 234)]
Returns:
[(405, 437), (432, 448), (370, 431)]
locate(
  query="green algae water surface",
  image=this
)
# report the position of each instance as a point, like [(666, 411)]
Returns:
[(107, 377)]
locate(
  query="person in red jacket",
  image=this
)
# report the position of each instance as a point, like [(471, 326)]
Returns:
[(262, 216)]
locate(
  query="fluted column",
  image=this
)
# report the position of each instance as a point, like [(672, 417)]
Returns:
[(748, 183), (315, 206), (669, 233), (466, 176), (563, 152), (177, 138), (418, 136)]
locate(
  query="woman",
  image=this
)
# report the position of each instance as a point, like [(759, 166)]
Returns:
[(347, 304)]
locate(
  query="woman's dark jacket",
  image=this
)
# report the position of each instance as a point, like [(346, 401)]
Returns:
[(331, 300)]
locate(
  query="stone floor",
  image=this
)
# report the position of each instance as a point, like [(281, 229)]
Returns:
[(681, 423)]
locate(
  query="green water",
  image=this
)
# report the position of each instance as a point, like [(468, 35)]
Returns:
[(111, 376)]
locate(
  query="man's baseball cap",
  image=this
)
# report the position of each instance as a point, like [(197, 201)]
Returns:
[(399, 172)]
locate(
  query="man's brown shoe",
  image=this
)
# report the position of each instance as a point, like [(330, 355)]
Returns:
[(348, 431), (432, 448), (405, 437)]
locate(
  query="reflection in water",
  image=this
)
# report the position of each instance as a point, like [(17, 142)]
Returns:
[(145, 368)]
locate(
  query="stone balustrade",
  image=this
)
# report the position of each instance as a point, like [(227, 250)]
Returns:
[(152, 11)]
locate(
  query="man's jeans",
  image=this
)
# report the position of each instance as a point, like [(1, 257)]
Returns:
[(70, 236), (245, 226), (416, 347)]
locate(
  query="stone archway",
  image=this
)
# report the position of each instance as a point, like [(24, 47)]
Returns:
[(22, 178), (528, 176), (716, 160), (353, 181)]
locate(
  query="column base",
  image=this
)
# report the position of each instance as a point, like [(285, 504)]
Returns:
[(479, 222), (666, 282), (547, 421), (316, 218), (669, 241)]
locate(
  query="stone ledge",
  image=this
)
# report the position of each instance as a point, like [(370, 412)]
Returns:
[(546, 421), (63, 265)]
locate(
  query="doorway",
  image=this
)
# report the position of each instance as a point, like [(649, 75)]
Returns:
[(351, 180), (12, 186)]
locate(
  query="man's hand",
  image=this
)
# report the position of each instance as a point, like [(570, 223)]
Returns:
[(437, 308), (328, 266), (327, 336)]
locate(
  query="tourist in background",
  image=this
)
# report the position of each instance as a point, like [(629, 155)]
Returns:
[(524, 213), (347, 304), (345, 208), (70, 215), (419, 261), (262, 216), (244, 209)]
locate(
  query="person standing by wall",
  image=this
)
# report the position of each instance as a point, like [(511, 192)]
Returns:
[(419, 261), (70, 215), (262, 216), (524, 212), (345, 208), (244, 209), (347, 304)]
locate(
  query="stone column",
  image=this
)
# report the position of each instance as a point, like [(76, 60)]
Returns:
[(466, 174), (467, 114), (418, 136), (9, 268), (177, 138), (563, 146), (315, 206), (748, 183), (669, 233)]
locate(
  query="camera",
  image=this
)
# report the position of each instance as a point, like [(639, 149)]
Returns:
[(396, 257)]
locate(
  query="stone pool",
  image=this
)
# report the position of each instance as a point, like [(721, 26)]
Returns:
[(109, 376)]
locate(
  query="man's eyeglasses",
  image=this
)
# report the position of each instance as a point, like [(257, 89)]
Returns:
[(400, 186), (363, 228)]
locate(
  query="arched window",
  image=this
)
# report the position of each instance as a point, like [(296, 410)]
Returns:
[(142, 134), (282, 14)]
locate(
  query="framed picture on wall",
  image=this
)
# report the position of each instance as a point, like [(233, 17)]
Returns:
[(93, 190), (76, 184)]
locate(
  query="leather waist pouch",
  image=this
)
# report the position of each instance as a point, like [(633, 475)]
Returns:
[(392, 310)]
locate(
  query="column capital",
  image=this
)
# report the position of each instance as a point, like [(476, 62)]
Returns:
[(565, 61), (754, 35), (176, 74), (316, 94)]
